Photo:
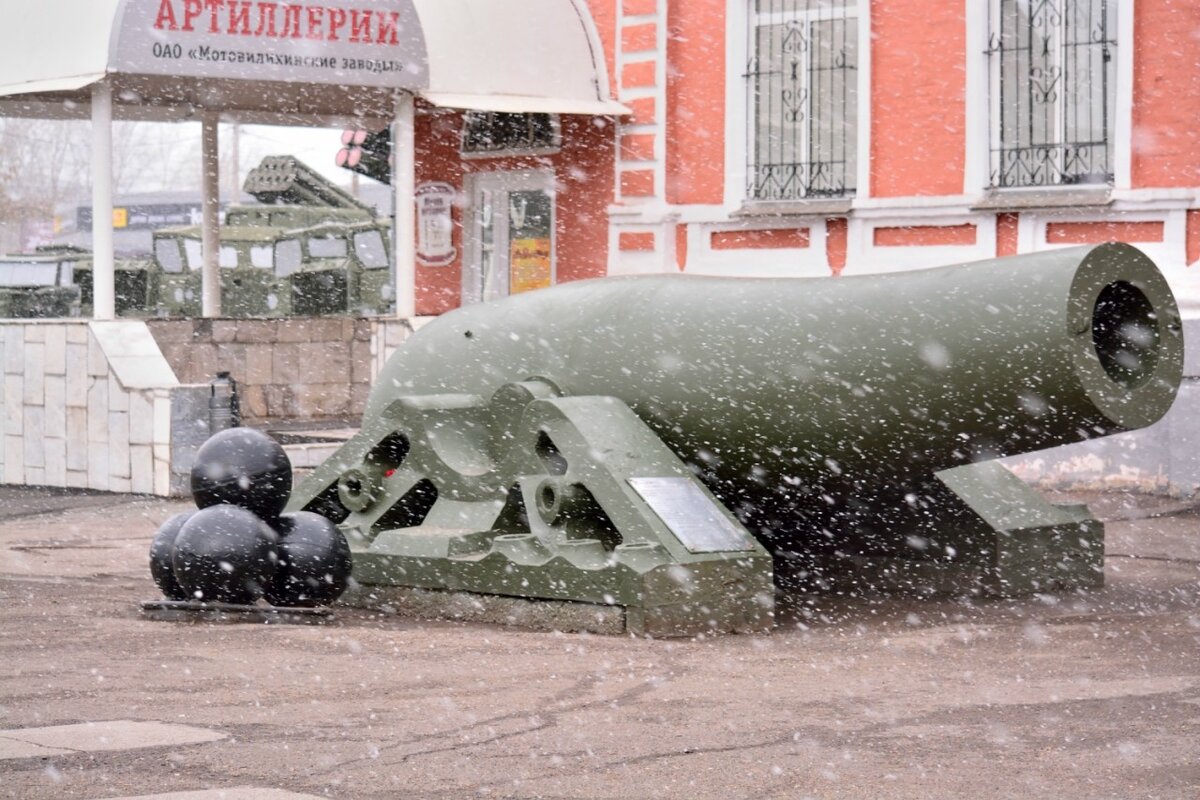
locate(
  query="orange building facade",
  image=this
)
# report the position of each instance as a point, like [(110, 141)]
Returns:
[(836, 137)]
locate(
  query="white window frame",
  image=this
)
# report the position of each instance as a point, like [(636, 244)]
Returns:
[(502, 182), (739, 126), (471, 155), (983, 95), (227, 257)]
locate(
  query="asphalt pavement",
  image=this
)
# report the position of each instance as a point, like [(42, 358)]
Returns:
[(1087, 695)]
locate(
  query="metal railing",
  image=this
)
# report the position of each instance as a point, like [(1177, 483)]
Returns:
[(487, 132), (802, 85), (1052, 69)]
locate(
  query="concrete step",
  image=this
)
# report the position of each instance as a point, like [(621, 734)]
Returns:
[(308, 446)]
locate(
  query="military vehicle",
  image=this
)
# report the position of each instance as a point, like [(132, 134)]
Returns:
[(310, 248), (31, 287), (40, 284), (135, 286)]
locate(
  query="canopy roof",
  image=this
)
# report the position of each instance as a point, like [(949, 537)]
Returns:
[(304, 61)]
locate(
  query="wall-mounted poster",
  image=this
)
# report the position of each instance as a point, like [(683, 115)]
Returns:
[(530, 264), (435, 225), (530, 247)]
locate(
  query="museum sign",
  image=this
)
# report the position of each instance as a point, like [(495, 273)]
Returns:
[(361, 43)]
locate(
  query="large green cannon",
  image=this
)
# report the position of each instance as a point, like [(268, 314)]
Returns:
[(672, 444)]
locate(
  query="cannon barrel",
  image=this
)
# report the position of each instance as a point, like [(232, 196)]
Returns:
[(872, 376)]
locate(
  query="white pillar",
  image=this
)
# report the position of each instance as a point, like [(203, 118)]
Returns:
[(103, 266), (404, 179), (210, 234), (1123, 124), (235, 159)]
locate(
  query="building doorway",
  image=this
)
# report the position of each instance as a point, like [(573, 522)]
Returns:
[(510, 236)]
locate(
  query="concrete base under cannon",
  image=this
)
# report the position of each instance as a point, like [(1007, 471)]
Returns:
[(976, 530)]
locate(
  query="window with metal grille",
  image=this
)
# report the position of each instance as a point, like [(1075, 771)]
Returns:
[(802, 82), (489, 133), (1053, 78)]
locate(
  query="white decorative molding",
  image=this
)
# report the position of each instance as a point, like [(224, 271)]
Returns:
[(864, 257), (631, 214), (758, 262), (978, 93), (863, 161), (737, 36), (1123, 124)]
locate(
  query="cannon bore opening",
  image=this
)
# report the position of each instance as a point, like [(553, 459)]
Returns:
[(1125, 333)]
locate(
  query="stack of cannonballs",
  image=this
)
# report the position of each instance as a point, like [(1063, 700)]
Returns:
[(240, 546)]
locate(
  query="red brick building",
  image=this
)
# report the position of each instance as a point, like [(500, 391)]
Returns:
[(829, 137)]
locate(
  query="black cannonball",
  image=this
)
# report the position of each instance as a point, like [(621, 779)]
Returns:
[(242, 467), (162, 550), (314, 561), (225, 554)]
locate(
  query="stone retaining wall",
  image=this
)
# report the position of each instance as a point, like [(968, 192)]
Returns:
[(302, 368), (123, 405), (93, 405)]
